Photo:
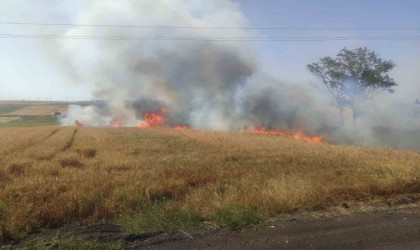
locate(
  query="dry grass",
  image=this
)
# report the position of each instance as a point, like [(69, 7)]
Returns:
[(53, 176), (86, 152)]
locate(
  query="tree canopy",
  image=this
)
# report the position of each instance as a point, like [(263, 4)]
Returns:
[(352, 76)]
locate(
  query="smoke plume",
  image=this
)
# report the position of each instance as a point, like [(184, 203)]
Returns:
[(203, 84)]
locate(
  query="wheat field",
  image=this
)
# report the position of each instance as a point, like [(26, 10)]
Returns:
[(55, 176)]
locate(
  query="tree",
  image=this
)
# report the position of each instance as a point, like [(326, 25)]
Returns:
[(353, 76)]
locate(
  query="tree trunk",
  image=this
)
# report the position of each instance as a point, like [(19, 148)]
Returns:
[(340, 110), (355, 114)]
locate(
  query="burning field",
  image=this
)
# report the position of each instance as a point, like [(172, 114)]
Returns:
[(188, 130), (158, 120), (205, 85), (204, 81), (151, 179)]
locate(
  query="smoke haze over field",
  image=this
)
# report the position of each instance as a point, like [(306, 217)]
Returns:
[(203, 84)]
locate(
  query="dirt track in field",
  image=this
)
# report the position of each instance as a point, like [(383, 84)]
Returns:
[(397, 228)]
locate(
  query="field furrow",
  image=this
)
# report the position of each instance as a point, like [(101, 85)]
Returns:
[(50, 147), (15, 140)]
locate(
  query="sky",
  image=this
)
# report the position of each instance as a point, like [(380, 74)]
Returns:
[(28, 71)]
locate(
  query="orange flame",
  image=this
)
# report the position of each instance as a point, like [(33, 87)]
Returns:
[(153, 120), (180, 127), (298, 135), (117, 122)]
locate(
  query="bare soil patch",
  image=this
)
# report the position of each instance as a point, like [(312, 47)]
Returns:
[(395, 229)]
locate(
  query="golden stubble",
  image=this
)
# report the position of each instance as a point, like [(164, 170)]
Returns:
[(53, 176)]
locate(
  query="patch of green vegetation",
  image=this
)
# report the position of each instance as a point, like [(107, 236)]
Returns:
[(7, 108), (32, 121), (234, 218), (156, 218)]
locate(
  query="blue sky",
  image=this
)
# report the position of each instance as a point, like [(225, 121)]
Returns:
[(330, 13), (28, 72), (288, 59)]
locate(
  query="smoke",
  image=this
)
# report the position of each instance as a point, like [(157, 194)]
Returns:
[(203, 84), (195, 80)]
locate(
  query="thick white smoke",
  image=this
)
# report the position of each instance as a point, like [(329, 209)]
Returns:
[(195, 80), (204, 84)]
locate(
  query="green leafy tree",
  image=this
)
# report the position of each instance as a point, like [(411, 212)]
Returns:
[(352, 76)]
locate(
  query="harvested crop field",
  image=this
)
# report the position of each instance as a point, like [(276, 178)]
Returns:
[(30, 113), (9, 119), (148, 180), (40, 110), (28, 121), (17, 108)]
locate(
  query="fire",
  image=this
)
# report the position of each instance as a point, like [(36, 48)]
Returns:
[(156, 120), (78, 124), (180, 127), (153, 120), (297, 135), (117, 122)]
